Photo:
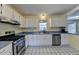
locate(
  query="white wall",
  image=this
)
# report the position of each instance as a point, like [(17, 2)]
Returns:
[(8, 27)]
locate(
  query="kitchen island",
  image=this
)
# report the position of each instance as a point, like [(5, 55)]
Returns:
[(39, 39)]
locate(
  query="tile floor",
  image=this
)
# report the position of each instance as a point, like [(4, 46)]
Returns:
[(55, 50)]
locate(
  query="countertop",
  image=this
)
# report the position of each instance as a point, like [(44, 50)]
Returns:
[(52, 32), (37, 33), (4, 44)]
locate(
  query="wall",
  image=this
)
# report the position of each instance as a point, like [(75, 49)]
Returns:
[(74, 41), (73, 38), (7, 27)]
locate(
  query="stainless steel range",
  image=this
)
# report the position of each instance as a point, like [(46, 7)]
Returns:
[(18, 45)]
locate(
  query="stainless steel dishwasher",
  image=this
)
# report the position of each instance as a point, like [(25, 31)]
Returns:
[(56, 39)]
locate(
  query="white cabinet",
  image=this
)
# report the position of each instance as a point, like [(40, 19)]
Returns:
[(6, 50), (6, 11), (11, 14), (64, 39), (58, 21), (22, 22), (40, 40), (28, 22), (31, 21), (16, 16)]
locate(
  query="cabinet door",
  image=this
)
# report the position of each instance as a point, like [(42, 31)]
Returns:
[(22, 22), (40, 40), (46, 40), (58, 21), (6, 11), (31, 21), (33, 41), (64, 39), (16, 16)]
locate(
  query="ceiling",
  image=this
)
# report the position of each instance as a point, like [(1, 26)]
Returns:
[(36, 9)]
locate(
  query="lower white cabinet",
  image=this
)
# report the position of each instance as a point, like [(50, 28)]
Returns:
[(64, 39), (40, 40), (6, 50), (44, 40)]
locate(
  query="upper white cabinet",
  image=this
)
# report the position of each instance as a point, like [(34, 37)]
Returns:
[(6, 11), (58, 21), (22, 22), (31, 21), (10, 13), (16, 16)]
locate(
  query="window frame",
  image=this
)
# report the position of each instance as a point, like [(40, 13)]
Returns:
[(43, 21)]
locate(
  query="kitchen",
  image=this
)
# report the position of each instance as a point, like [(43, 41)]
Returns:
[(27, 29)]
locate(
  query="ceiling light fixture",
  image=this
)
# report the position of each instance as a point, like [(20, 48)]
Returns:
[(43, 16)]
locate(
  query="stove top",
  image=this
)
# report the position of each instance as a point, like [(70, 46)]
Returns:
[(10, 38)]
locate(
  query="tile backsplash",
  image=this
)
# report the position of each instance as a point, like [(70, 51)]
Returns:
[(7, 27)]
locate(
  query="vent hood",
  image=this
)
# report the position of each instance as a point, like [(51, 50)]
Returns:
[(8, 21)]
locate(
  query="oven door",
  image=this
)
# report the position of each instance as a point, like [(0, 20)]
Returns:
[(19, 48)]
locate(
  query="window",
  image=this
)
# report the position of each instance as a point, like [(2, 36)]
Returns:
[(72, 28), (43, 25)]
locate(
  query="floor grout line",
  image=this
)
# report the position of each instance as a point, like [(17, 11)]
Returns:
[(55, 50)]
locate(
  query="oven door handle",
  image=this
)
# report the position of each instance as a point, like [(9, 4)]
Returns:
[(19, 43)]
